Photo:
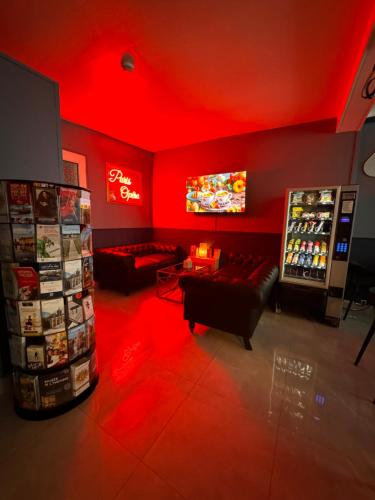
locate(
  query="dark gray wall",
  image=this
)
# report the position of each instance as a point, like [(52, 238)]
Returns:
[(365, 220), (29, 124), (99, 149), (307, 155)]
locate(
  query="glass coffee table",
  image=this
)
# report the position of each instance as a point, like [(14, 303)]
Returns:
[(167, 278)]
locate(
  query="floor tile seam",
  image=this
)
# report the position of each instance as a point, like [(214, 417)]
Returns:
[(204, 371), (122, 445), (163, 428), (125, 482), (164, 480), (105, 431)]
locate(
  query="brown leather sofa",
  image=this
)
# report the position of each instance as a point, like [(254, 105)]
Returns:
[(127, 267), (231, 299)]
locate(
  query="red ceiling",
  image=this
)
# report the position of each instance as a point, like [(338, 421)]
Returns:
[(204, 68)]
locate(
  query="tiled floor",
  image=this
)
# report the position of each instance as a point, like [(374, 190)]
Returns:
[(198, 417)]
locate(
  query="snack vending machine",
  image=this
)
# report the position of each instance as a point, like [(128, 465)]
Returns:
[(317, 234)]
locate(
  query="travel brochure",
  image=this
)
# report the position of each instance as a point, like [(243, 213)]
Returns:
[(88, 307), (24, 242), (53, 315), (27, 390), (20, 203), (35, 356), (45, 203), (70, 200), (77, 341), (19, 282), (48, 243), (56, 349), (55, 388), (80, 372), (86, 241), (50, 279), (87, 272), (74, 311), (72, 277), (90, 331), (71, 240), (85, 207), (30, 317)]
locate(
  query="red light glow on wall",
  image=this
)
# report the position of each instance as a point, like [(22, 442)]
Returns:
[(124, 186)]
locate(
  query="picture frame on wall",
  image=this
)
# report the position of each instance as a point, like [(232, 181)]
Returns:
[(74, 168)]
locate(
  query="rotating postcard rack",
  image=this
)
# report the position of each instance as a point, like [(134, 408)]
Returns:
[(48, 295)]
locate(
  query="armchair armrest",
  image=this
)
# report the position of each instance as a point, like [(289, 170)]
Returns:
[(231, 290)]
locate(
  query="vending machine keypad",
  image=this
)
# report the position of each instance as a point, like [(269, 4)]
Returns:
[(344, 225)]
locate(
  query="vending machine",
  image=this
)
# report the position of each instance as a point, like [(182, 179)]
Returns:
[(318, 226)]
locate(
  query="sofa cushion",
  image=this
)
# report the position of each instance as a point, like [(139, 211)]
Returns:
[(154, 261)]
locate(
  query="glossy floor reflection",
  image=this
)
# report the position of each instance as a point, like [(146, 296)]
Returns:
[(198, 417)]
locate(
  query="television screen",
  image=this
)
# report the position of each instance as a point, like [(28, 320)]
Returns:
[(219, 193)]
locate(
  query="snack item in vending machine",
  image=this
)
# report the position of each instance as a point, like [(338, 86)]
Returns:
[(310, 198), (304, 227), (316, 247), (297, 197), (289, 258), (299, 227), (291, 227), (308, 215), (302, 248), (325, 196), (301, 259), (322, 262), (315, 261), (290, 245), (296, 212), (324, 215), (296, 245), (310, 245), (319, 227), (308, 260), (323, 248), (295, 259), (312, 225)]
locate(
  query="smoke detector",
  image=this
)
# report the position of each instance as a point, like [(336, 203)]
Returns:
[(127, 62)]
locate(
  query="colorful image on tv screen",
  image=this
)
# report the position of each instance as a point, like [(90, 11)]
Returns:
[(219, 193)]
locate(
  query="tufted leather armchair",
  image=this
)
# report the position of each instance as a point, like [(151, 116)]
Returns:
[(231, 299), (127, 267)]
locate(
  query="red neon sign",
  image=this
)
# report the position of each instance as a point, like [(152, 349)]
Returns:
[(123, 185)]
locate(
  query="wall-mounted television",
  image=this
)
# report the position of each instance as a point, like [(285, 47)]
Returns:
[(218, 193)]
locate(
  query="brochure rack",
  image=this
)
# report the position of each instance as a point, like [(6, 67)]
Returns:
[(48, 294)]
